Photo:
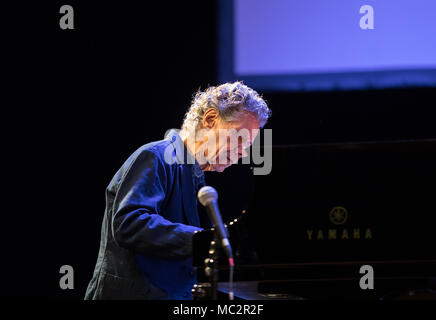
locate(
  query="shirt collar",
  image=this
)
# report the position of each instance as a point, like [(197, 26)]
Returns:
[(184, 156)]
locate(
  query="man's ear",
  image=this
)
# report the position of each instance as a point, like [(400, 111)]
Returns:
[(210, 118)]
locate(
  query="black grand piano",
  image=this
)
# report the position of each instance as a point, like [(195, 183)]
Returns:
[(324, 212)]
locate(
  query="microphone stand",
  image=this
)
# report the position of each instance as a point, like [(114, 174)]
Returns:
[(207, 197), (211, 264)]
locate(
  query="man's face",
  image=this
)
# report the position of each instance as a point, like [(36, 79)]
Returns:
[(231, 141)]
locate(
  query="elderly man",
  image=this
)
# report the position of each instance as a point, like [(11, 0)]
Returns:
[(151, 204)]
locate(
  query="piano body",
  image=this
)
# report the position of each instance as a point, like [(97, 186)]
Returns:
[(324, 212)]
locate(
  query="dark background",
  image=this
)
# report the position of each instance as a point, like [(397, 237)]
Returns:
[(120, 79)]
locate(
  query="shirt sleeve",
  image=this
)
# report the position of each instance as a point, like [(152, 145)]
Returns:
[(137, 224)]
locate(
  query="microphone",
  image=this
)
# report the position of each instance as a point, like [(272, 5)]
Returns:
[(208, 198)]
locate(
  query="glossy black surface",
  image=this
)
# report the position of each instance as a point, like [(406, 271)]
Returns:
[(387, 188)]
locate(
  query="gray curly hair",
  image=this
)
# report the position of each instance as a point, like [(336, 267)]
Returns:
[(230, 100)]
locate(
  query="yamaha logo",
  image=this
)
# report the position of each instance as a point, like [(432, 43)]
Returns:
[(338, 215)]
